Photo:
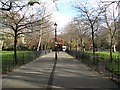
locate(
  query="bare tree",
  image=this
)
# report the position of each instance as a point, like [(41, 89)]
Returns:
[(20, 21), (111, 22), (6, 5), (102, 38), (71, 35), (92, 17), (75, 33), (83, 31), (44, 30)]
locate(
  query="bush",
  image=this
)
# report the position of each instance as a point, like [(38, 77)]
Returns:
[(8, 49), (22, 48)]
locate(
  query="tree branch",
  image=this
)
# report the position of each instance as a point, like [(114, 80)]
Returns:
[(6, 9)]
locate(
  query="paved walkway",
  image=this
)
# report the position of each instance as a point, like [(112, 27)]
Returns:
[(45, 72)]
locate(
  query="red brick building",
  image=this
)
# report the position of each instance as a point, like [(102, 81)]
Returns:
[(46, 43), (60, 43)]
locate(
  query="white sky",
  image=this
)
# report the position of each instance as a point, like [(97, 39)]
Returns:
[(62, 18), (58, 17)]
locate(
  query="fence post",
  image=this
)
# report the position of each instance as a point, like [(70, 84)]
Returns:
[(29, 56), (23, 58), (97, 61), (103, 63), (118, 58), (35, 54), (10, 65), (76, 54), (13, 61), (112, 67)]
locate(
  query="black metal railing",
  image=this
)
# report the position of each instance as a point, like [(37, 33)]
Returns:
[(8, 63), (102, 64)]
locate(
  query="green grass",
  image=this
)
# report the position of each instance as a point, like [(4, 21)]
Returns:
[(105, 53), (23, 57), (8, 58), (106, 56), (115, 69), (9, 55), (12, 52)]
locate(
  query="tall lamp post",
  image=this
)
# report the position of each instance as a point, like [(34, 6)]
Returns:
[(55, 41)]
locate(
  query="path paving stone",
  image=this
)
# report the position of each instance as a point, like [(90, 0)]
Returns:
[(70, 73), (32, 75), (67, 73)]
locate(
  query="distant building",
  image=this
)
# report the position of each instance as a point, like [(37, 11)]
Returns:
[(60, 43)]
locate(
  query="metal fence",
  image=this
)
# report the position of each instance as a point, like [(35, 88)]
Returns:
[(8, 63), (102, 64)]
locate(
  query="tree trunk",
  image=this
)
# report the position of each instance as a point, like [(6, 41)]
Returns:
[(76, 45), (45, 45), (114, 48), (41, 44), (15, 48), (1, 44), (93, 46), (70, 46), (38, 48), (81, 45), (84, 50), (111, 51)]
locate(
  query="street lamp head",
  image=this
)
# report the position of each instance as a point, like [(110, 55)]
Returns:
[(55, 24)]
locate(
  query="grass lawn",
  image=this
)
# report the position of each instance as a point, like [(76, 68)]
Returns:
[(116, 69), (23, 57), (106, 56), (8, 58), (106, 53), (12, 52), (9, 55)]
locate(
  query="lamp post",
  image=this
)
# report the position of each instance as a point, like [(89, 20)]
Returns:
[(55, 41)]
